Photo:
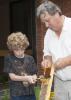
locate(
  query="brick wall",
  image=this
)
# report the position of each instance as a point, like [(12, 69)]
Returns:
[(39, 42), (66, 7)]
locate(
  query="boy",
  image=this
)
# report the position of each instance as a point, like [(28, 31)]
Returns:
[(20, 67)]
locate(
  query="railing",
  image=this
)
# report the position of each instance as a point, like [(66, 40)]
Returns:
[(5, 52)]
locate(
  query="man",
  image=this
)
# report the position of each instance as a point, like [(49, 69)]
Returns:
[(57, 47)]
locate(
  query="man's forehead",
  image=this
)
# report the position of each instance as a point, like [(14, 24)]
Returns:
[(44, 15)]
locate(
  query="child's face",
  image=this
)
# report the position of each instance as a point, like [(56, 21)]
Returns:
[(19, 53)]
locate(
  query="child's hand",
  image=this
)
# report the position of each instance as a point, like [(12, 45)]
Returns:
[(34, 78), (31, 79)]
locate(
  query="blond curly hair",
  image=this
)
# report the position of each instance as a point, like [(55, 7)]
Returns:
[(17, 40)]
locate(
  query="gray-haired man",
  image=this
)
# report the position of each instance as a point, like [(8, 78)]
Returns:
[(57, 47)]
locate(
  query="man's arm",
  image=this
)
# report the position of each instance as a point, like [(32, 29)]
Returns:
[(63, 62)]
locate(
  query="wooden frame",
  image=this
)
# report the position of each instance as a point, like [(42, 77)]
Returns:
[(5, 52)]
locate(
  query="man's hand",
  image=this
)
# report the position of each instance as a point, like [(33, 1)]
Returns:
[(60, 63), (46, 63)]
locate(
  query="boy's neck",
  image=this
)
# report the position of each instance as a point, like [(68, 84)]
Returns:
[(20, 56)]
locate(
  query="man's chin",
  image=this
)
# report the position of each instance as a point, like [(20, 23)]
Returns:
[(51, 28)]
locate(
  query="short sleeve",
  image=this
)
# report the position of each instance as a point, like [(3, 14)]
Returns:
[(34, 66), (7, 65)]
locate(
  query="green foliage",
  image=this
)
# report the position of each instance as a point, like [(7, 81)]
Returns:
[(5, 95), (3, 79), (37, 92)]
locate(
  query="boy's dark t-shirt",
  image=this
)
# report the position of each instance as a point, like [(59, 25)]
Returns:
[(18, 66)]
